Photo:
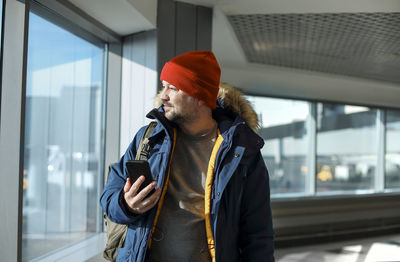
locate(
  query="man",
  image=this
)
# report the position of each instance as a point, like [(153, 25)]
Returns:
[(211, 201)]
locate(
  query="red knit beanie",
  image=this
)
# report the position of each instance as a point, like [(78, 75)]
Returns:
[(196, 73)]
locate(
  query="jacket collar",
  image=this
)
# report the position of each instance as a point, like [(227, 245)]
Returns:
[(166, 125), (229, 122)]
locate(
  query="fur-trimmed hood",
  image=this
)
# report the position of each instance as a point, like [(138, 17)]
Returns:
[(233, 99)]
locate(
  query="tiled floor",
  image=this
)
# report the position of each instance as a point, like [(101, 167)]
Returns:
[(380, 249), (98, 258)]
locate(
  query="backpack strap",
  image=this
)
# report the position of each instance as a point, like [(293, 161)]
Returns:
[(116, 233), (144, 146)]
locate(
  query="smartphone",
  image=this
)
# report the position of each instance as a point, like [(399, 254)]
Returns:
[(137, 168)]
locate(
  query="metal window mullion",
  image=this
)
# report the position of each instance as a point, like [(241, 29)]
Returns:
[(102, 166), (311, 152), (379, 179), (112, 82)]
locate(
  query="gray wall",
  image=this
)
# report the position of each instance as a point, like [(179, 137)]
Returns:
[(138, 84), (181, 27)]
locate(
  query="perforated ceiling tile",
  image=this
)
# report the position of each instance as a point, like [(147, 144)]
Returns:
[(365, 45)]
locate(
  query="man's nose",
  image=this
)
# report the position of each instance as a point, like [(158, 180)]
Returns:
[(164, 95)]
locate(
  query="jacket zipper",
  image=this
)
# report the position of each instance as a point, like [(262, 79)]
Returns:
[(164, 190)]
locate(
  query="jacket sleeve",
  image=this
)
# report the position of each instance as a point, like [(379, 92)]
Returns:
[(256, 232), (111, 199)]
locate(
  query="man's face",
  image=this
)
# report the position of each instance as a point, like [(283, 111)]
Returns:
[(179, 107)]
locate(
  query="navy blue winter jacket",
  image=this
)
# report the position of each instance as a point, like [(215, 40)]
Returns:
[(239, 219)]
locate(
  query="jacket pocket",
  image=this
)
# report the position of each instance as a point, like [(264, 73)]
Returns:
[(123, 254)]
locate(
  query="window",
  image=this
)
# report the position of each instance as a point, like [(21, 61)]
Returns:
[(287, 139), (316, 148), (346, 148), (392, 158), (63, 139)]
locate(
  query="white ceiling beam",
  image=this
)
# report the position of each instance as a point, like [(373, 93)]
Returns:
[(293, 83), (224, 42), (124, 17)]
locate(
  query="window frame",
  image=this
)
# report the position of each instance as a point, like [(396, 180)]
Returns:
[(75, 21), (3, 2), (15, 25)]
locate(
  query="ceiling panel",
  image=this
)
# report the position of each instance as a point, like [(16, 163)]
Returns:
[(365, 45)]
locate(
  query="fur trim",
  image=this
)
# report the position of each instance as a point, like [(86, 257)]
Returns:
[(234, 99), (157, 100)]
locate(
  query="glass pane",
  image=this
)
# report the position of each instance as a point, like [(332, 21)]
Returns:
[(346, 148), (392, 169), (284, 129), (62, 138)]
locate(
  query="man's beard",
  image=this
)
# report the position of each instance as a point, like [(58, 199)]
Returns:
[(179, 118)]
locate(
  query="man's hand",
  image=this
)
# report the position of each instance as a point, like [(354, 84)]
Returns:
[(138, 202)]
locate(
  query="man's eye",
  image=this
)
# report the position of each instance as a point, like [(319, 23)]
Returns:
[(172, 88)]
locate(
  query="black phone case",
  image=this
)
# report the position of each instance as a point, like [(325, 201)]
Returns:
[(137, 168)]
